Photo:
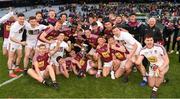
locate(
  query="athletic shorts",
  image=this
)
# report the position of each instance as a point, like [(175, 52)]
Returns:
[(88, 66), (6, 43), (42, 73), (123, 63), (108, 64), (54, 61), (31, 43), (40, 42), (138, 50), (152, 72), (14, 46)]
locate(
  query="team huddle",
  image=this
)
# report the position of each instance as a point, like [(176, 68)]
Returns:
[(94, 47)]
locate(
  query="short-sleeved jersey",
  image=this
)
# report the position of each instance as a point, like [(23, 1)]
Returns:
[(103, 52), (92, 40), (63, 45), (128, 40), (51, 34), (82, 61), (17, 30), (32, 33), (154, 55), (119, 55), (43, 61), (6, 28)]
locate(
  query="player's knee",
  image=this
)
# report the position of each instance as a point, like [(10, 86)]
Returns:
[(91, 72), (49, 67), (128, 69), (29, 71), (105, 74), (117, 75)]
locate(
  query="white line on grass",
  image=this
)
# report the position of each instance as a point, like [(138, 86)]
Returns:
[(11, 80)]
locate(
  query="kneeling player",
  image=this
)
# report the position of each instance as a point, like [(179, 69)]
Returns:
[(119, 57), (159, 63), (104, 56), (42, 68)]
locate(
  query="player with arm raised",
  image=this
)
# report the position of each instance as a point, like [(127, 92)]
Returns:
[(49, 35)]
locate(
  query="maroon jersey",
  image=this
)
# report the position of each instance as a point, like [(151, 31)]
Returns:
[(68, 64), (81, 60), (92, 40), (108, 33), (67, 31), (52, 21), (51, 34), (43, 61), (105, 55), (6, 27), (119, 55)]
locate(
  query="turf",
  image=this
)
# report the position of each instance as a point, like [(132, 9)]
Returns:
[(88, 87)]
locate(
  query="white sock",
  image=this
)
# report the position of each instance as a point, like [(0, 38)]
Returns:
[(99, 72), (10, 71), (13, 66), (112, 72), (155, 88), (145, 78)]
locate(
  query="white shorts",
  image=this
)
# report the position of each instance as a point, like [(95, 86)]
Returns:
[(42, 73), (53, 60), (40, 42), (138, 50), (6, 43), (14, 46), (123, 63), (88, 66), (31, 43), (108, 64), (152, 72)]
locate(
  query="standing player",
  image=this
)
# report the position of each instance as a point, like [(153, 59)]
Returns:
[(159, 63), (42, 68), (51, 20), (15, 44), (33, 30), (133, 46), (6, 20)]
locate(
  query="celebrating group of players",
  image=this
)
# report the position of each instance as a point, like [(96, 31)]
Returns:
[(95, 46)]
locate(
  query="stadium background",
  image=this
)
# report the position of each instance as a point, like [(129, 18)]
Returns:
[(90, 87)]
